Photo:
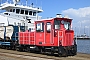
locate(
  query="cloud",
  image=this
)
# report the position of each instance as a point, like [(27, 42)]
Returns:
[(81, 12), (81, 16)]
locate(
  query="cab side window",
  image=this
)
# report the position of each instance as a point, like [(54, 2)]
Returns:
[(48, 25), (40, 27)]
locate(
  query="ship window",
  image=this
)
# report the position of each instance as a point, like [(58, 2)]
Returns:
[(34, 13), (22, 11), (30, 12), (40, 27), (17, 11), (10, 10), (26, 12), (6, 13), (13, 10)]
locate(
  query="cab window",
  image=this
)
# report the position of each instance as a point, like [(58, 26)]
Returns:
[(56, 24), (67, 25), (40, 27), (48, 25)]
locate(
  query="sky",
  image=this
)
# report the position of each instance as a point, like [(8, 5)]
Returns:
[(78, 10)]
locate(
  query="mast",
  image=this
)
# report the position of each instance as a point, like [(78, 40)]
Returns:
[(16, 1), (36, 2), (7, 0), (26, 2), (41, 4), (0, 2)]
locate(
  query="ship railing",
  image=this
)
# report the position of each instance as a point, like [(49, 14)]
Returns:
[(20, 4)]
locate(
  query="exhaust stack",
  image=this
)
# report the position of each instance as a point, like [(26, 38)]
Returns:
[(58, 16)]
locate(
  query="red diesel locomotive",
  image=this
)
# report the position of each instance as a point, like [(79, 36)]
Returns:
[(52, 35)]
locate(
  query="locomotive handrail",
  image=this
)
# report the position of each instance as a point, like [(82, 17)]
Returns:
[(53, 35), (59, 36), (76, 39)]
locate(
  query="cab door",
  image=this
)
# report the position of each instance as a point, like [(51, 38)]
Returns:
[(48, 35), (39, 35)]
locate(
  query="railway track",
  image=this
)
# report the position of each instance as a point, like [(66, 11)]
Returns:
[(34, 56)]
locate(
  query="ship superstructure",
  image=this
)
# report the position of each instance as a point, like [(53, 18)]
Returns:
[(19, 15)]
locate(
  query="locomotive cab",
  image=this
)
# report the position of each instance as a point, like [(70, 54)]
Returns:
[(56, 33), (62, 30), (50, 32)]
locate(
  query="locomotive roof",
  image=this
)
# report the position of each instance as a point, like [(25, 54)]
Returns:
[(54, 19)]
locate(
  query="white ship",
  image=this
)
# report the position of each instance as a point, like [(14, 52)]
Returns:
[(17, 14)]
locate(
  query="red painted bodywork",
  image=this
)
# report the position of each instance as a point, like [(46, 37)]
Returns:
[(26, 38), (59, 37)]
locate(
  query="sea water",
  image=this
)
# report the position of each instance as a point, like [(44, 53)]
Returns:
[(83, 46)]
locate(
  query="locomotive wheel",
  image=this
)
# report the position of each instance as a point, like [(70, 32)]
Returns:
[(28, 49), (62, 55), (20, 49), (3, 47), (74, 51), (7, 47), (17, 49), (52, 50), (62, 52), (59, 54), (52, 53), (42, 51), (65, 53)]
